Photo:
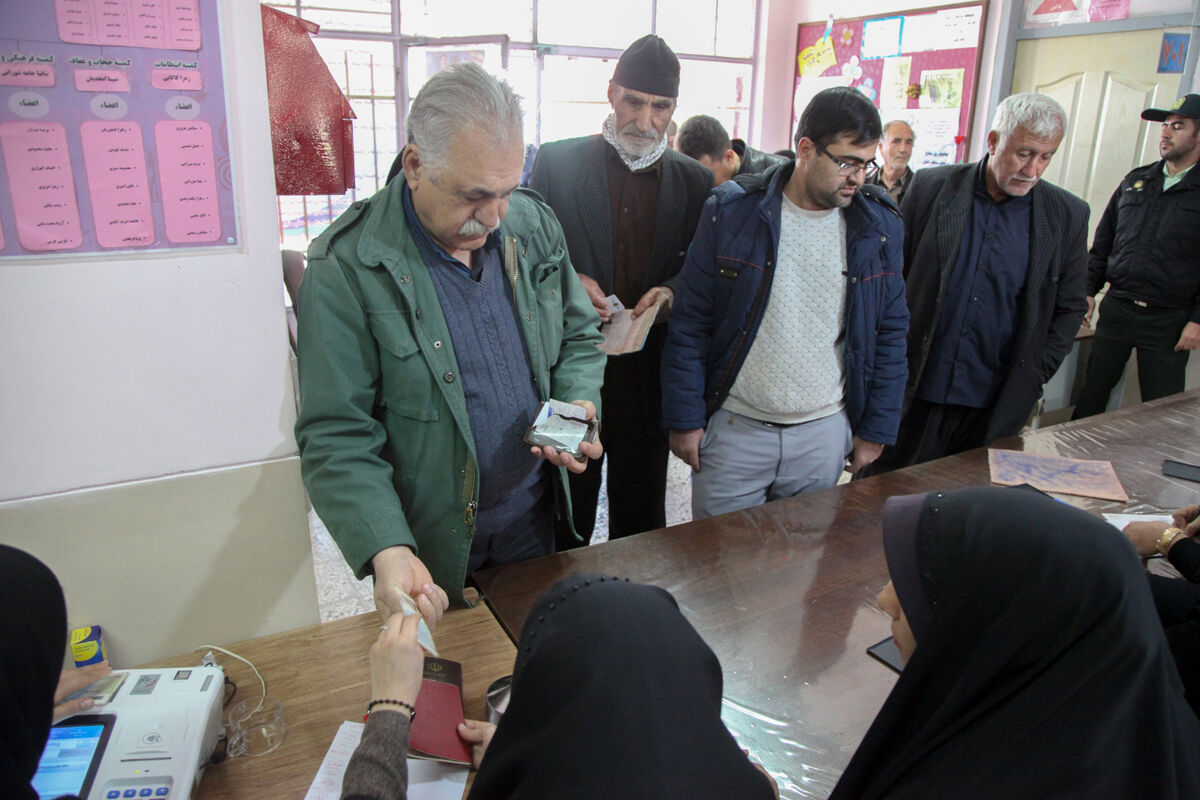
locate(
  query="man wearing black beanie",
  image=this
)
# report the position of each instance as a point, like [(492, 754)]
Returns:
[(628, 205)]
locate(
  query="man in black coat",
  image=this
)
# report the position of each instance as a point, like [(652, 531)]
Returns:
[(995, 265), (1147, 249), (705, 139), (628, 206)]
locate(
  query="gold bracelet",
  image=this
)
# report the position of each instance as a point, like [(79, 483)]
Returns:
[(1168, 538)]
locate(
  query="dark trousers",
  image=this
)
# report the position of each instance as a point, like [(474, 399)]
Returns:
[(635, 449), (1123, 326), (932, 430)]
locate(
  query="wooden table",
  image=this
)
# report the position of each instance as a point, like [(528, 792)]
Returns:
[(322, 675), (785, 593)]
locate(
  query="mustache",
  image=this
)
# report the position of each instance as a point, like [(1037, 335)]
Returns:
[(474, 227), (632, 130)]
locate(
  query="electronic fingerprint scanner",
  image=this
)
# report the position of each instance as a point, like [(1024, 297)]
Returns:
[(152, 739)]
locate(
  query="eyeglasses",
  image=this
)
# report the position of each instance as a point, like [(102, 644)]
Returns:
[(847, 168)]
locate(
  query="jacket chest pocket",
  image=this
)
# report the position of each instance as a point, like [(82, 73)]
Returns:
[(405, 382), (1179, 226), (1131, 216)]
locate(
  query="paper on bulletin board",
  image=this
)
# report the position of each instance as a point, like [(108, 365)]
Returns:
[(920, 33), (807, 88), (941, 88), (881, 37), (893, 85), (817, 58), (935, 129), (1102, 10), (958, 27)]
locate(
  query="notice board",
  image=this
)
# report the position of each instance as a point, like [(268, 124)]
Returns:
[(113, 127), (921, 66)]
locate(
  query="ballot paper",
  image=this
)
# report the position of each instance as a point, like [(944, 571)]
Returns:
[(424, 635), (427, 780), (623, 333)]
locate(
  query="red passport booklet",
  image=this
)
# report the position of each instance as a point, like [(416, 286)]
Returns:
[(439, 710)]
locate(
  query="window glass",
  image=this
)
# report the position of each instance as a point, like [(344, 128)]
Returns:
[(688, 26), (614, 23), (423, 61), (574, 95), (467, 18), (359, 16), (718, 89), (708, 27), (522, 76)]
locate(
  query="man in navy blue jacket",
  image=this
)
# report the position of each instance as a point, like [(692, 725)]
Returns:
[(785, 355)]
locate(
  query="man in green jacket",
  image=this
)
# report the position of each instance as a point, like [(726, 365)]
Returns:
[(433, 318)]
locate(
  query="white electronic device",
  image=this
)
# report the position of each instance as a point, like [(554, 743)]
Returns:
[(152, 739)]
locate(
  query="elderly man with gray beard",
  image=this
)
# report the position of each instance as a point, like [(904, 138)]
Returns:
[(433, 319), (628, 206)]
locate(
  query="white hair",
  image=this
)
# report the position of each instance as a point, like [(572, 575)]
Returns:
[(462, 97), (1040, 115)]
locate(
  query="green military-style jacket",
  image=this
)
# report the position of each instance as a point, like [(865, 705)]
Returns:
[(386, 448)]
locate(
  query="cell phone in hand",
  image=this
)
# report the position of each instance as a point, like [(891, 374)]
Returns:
[(562, 426)]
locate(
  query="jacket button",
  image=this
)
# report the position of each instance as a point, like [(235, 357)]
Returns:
[(529, 317), (417, 313), (883, 238), (453, 531), (437, 345), (405, 278), (553, 292), (854, 280), (924, 338), (448, 377)]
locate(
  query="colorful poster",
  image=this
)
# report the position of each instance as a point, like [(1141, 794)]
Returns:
[(893, 85), (129, 95), (941, 88), (1101, 10)]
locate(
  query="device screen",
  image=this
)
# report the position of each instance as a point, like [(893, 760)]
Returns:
[(72, 756)]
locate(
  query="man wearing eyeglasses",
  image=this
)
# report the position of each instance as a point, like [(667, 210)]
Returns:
[(1147, 249), (995, 261), (785, 353)]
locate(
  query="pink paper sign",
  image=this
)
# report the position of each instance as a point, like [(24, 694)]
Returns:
[(176, 79), (75, 21), (149, 23), (116, 171), (187, 171), (26, 75), (43, 190), (171, 24), (101, 80)]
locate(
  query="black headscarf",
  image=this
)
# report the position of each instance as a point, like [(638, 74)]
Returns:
[(1042, 672), (33, 639), (614, 694)]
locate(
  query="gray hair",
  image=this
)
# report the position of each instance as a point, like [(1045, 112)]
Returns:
[(462, 97), (903, 122), (1040, 115)]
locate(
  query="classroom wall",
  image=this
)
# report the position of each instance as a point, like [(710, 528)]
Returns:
[(779, 61), (147, 418)]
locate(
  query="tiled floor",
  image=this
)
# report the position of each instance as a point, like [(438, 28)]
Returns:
[(339, 594)]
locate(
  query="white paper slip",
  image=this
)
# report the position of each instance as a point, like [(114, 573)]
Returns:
[(614, 303), (1119, 521), (427, 780), (424, 635)]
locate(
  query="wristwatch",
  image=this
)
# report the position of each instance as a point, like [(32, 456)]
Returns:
[(1168, 538)]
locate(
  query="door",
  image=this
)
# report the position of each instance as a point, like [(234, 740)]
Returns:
[(1103, 81)]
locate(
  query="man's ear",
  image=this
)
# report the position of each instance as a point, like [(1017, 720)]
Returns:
[(730, 158), (410, 160), (993, 140), (613, 90)]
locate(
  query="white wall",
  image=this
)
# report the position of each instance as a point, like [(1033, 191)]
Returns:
[(146, 409), (118, 368), (779, 61)]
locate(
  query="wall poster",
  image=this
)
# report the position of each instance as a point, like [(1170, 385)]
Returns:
[(113, 128), (920, 66)]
